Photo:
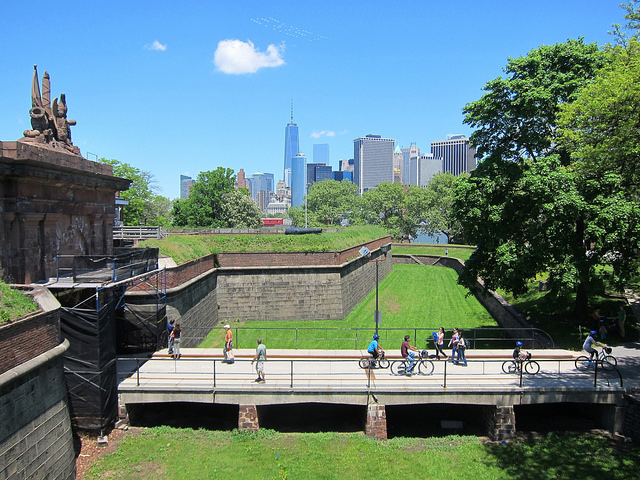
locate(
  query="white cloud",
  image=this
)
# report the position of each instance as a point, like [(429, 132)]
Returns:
[(156, 45), (238, 57), (321, 133)]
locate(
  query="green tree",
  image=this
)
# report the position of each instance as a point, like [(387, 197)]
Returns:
[(525, 207), (435, 210), (332, 201), (239, 211), (203, 207), (386, 205), (145, 206)]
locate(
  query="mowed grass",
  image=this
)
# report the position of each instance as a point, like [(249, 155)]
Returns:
[(439, 250), (188, 247), (413, 299), (14, 303), (168, 453)]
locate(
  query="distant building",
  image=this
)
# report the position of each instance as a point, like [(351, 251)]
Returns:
[(316, 172), (410, 165), (346, 165), (263, 197), (428, 167), (342, 176), (185, 185), (397, 165), (241, 181), (277, 207), (291, 147), (457, 154), (261, 182), (373, 161), (321, 153), (298, 179)]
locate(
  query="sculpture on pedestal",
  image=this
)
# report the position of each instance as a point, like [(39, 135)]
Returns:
[(49, 123)]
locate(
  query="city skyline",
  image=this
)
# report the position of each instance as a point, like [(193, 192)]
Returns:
[(178, 89)]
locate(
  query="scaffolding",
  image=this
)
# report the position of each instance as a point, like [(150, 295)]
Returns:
[(100, 325)]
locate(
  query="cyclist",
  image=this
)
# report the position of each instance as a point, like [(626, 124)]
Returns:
[(520, 355), (374, 349), (406, 350), (589, 343)]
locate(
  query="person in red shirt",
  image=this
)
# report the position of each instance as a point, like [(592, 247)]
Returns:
[(406, 350)]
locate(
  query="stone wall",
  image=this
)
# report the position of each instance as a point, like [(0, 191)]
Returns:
[(36, 440)]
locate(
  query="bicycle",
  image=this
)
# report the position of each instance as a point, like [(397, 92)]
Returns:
[(370, 362), (604, 360), (531, 367), (422, 365)]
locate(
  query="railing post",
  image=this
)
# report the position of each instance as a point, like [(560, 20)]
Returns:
[(214, 373), (444, 385), (291, 383), (137, 372), (521, 364), (595, 373)]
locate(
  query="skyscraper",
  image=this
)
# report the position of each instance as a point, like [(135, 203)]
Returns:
[(185, 185), (321, 153), (316, 172), (291, 146), (457, 154), (298, 179), (373, 161), (241, 179)]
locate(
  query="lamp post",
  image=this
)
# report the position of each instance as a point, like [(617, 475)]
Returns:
[(365, 252)]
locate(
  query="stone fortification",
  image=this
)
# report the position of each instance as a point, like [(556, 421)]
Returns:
[(36, 439), (52, 202)]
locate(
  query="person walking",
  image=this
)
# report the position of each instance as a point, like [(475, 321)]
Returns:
[(170, 336), (176, 334), (440, 344), (228, 345), (622, 317), (453, 343), (462, 347), (260, 358)]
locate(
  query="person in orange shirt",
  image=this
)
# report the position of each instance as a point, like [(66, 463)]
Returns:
[(228, 345)]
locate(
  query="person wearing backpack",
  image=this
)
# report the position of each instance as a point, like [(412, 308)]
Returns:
[(462, 347), (453, 343)]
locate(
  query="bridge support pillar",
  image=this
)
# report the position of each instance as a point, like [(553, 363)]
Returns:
[(376, 422), (501, 423), (248, 417)]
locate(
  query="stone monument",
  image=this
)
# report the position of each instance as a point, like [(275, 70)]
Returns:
[(52, 200)]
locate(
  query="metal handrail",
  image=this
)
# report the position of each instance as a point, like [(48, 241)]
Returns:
[(443, 373)]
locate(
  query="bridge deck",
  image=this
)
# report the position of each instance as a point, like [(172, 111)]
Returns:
[(295, 376)]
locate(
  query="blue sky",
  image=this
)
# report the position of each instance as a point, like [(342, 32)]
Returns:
[(182, 87)]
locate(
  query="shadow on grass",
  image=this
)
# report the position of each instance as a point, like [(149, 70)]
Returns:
[(566, 456)]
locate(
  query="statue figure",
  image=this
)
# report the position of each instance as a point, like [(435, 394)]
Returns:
[(49, 124)]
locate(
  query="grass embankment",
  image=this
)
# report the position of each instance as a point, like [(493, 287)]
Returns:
[(440, 250), (409, 297), (14, 303), (168, 453), (187, 247)]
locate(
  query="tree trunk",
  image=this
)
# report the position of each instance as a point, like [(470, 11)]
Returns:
[(581, 308)]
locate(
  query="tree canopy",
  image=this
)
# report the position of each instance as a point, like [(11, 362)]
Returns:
[(528, 206)]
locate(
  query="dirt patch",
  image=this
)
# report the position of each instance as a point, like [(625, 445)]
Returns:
[(90, 450)]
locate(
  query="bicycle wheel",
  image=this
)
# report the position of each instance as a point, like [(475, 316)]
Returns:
[(383, 363), (583, 362), (532, 367), (398, 367), (364, 363), (509, 366), (609, 362), (425, 367)]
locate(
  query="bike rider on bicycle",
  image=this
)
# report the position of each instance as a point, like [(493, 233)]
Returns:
[(589, 343), (374, 349), (520, 355), (406, 350)]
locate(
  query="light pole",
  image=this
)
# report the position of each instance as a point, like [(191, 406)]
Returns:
[(365, 252)]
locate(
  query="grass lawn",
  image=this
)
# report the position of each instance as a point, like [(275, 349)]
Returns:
[(440, 250), (14, 303), (167, 453), (187, 247), (410, 297)]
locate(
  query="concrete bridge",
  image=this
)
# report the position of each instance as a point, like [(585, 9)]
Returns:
[(316, 377)]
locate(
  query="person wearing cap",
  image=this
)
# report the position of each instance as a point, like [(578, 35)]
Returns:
[(518, 354), (589, 343), (375, 348), (228, 344)]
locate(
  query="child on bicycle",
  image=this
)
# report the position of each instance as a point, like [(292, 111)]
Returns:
[(520, 355), (589, 343), (375, 348)]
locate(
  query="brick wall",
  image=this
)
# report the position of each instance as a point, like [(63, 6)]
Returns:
[(376, 426), (248, 417), (28, 337)]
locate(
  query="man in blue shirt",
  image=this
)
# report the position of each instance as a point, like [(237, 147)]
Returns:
[(375, 348)]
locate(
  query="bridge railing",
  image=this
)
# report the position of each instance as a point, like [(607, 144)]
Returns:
[(318, 372), (358, 338)]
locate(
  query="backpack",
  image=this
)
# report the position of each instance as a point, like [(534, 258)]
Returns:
[(435, 337), (467, 343)]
